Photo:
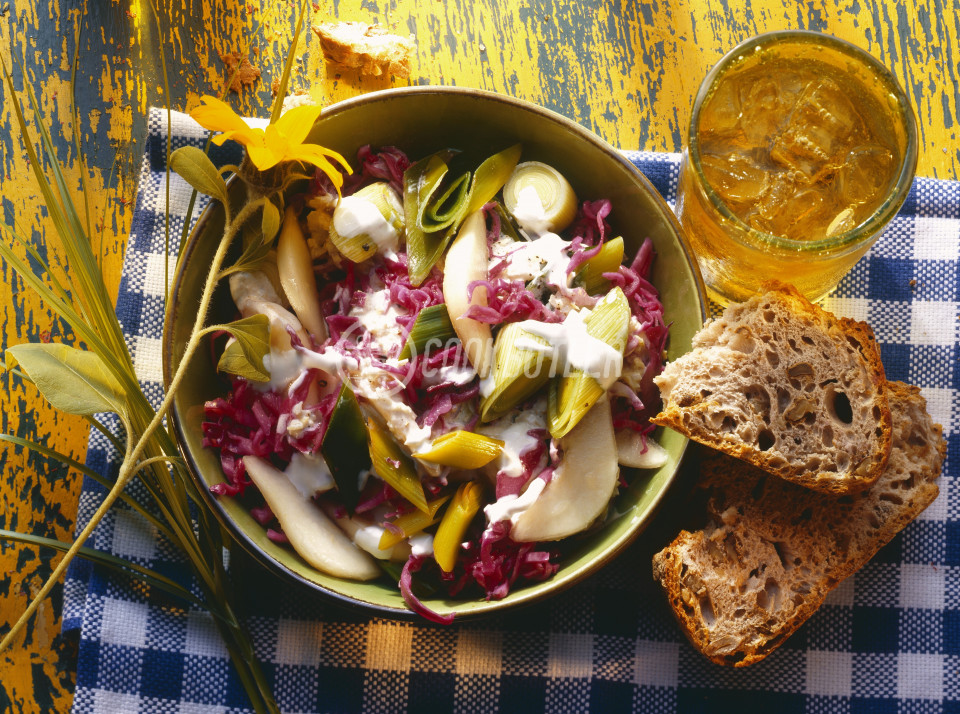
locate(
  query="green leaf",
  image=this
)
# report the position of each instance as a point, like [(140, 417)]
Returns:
[(198, 170), (234, 361), (270, 222), (253, 258), (74, 381), (244, 357)]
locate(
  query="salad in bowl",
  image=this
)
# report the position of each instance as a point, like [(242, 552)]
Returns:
[(455, 394)]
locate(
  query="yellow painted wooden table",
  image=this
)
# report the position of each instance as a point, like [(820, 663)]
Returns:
[(627, 70)]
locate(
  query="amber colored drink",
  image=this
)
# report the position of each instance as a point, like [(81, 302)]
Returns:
[(801, 148)]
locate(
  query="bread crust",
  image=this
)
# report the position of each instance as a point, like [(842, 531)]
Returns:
[(767, 382), (370, 49), (772, 551)]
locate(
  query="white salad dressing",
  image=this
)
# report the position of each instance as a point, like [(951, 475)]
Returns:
[(421, 545), (453, 374), (368, 538), (357, 216), (542, 259), (529, 211), (513, 430), (309, 474), (370, 383), (286, 367), (378, 316), (572, 347), (509, 508)]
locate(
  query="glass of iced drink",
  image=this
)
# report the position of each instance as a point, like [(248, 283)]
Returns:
[(801, 148)]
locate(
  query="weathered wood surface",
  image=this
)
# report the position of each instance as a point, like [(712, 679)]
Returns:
[(627, 70)]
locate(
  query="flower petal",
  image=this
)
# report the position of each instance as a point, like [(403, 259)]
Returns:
[(317, 155), (296, 123), (262, 157), (215, 115)]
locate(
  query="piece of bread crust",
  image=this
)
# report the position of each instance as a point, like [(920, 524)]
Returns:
[(780, 383), (371, 49), (772, 550)]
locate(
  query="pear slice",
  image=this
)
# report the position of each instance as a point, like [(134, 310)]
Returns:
[(631, 451), (366, 535), (281, 320), (581, 486), (466, 261), (315, 537), (296, 276)]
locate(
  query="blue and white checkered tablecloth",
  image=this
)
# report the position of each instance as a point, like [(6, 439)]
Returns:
[(888, 639)]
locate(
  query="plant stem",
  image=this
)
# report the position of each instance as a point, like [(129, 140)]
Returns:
[(129, 465)]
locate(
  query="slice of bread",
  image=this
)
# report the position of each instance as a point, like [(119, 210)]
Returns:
[(783, 384), (370, 49), (772, 550)]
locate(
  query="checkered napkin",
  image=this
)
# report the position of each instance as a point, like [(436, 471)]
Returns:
[(888, 639)]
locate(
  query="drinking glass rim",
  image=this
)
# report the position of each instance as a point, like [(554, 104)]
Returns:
[(890, 205)]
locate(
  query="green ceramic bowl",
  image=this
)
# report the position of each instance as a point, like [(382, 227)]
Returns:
[(421, 120)]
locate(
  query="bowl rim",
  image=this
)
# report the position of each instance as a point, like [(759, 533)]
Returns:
[(523, 596)]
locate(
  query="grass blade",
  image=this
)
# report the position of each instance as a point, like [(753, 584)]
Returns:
[(150, 577)]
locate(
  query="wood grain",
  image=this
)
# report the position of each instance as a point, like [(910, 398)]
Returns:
[(628, 70)]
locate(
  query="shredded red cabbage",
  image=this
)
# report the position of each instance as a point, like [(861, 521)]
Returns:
[(251, 421), (262, 514), (248, 421), (277, 536), (412, 298), (413, 564), (533, 459), (499, 562), (387, 164), (508, 301), (591, 225)]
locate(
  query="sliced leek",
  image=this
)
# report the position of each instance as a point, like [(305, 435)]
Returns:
[(572, 395), (462, 450), (433, 212), (447, 210), (539, 197), (410, 524), (453, 527), (517, 373), (394, 466), (491, 175), (432, 329), (344, 447), (424, 249), (608, 260), (369, 220)]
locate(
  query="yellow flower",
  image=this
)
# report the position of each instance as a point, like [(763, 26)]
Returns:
[(282, 141)]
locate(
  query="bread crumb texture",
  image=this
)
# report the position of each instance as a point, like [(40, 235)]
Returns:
[(781, 383), (370, 49), (771, 550)]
